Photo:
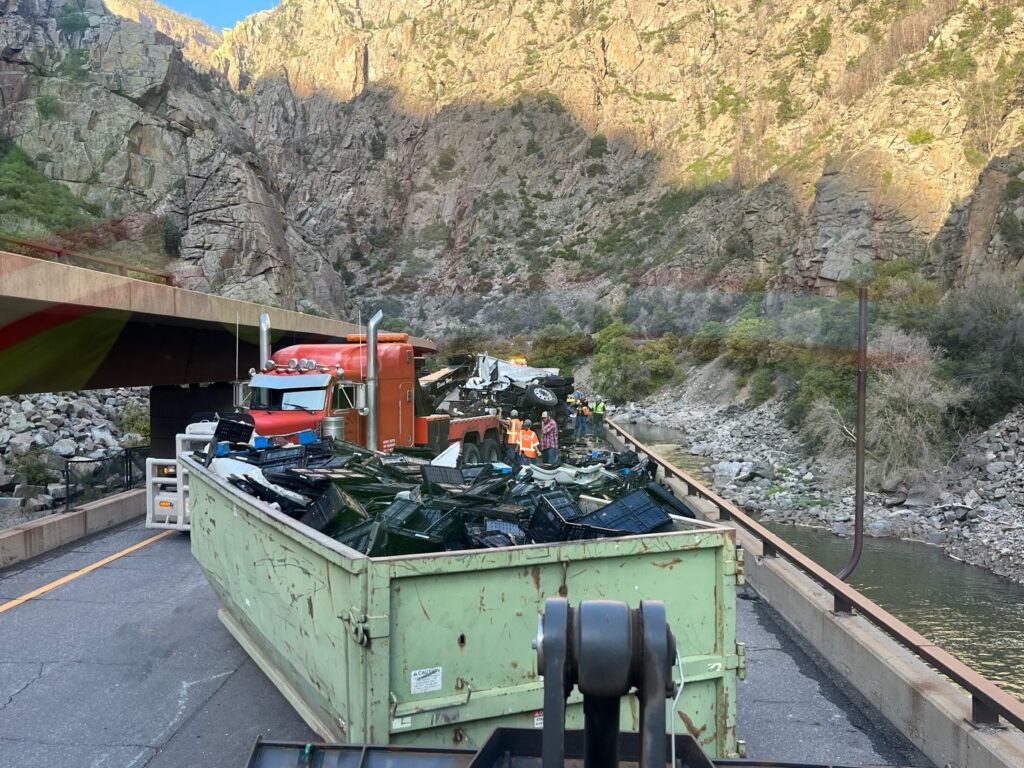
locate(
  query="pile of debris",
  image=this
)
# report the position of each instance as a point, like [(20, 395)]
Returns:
[(398, 504)]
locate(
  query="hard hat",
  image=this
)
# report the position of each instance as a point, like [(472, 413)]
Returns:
[(515, 412), (527, 423), (544, 415)]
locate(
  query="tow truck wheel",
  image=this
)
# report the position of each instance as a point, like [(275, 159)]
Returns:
[(488, 451), (470, 453)]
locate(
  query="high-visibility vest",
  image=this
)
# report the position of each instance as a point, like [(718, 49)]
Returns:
[(515, 429), (599, 408), (529, 443)]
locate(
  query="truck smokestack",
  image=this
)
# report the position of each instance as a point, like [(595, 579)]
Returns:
[(264, 340), (372, 376)]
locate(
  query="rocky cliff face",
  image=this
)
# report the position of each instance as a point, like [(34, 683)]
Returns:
[(442, 159)]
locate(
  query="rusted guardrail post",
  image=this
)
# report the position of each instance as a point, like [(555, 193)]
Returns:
[(842, 606), (67, 485)]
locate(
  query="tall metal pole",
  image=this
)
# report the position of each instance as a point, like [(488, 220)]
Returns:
[(862, 387)]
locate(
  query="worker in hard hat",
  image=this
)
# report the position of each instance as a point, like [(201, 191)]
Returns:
[(529, 443), (513, 430)]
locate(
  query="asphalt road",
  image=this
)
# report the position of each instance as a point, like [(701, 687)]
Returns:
[(128, 666)]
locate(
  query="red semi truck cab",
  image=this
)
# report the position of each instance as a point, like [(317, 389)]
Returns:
[(308, 382)]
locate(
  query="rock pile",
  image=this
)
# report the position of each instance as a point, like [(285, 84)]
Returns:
[(974, 508), (38, 433)]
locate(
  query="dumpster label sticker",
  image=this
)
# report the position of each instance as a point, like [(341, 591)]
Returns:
[(401, 722), (426, 680), (538, 718)]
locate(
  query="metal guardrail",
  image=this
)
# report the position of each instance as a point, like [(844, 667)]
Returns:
[(87, 480), (989, 702), (64, 253)]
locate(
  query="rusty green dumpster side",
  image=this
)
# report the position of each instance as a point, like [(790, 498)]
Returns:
[(436, 649)]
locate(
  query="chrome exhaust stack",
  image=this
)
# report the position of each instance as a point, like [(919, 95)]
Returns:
[(264, 341), (372, 377)]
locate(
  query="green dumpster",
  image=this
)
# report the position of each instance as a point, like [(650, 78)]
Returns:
[(436, 649)]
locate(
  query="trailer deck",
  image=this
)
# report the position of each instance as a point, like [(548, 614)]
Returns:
[(127, 665)]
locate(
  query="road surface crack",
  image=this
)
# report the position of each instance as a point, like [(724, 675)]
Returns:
[(34, 679)]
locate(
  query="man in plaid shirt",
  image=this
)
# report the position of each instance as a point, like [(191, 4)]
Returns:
[(548, 438)]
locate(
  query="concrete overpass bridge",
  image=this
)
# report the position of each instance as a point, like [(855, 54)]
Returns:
[(65, 328)]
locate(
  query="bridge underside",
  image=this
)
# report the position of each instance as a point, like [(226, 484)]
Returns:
[(60, 347), (65, 328)]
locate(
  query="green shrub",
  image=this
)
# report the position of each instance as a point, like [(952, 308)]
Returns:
[(1012, 232), (172, 238), (819, 40), (728, 101), (46, 106), (920, 136), (952, 63), (73, 64), (975, 156), (598, 146), (828, 380), (134, 418), (909, 402), (762, 385), (747, 343), (1014, 188), (30, 201), (71, 19), (626, 369), (788, 109), (35, 466), (560, 351), (706, 343), (446, 160), (1002, 18), (981, 329)]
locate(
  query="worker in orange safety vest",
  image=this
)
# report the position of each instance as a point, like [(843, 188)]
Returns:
[(529, 443), (513, 429)]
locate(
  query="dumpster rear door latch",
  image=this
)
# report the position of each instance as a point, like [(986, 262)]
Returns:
[(358, 625)]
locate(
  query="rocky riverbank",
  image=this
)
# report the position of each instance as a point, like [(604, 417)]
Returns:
[(39, 433), (972, 508)]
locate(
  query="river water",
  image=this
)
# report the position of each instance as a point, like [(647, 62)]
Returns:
[(968, 611)]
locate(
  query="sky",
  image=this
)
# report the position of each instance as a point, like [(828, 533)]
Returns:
[(219, 13)]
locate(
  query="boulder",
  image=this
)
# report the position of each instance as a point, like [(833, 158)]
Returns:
[(65, 448), (26, 491)]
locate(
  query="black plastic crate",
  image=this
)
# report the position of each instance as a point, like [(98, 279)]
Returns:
[(636, 512), (563, 503), (548, 523), (481, 538), (331, 512), (442, 475), (280, 457), (476, 473), (422, 521), (232, 431), (666, 497), (367, 537)]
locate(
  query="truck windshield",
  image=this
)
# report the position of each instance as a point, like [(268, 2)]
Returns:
[(265, 399)]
